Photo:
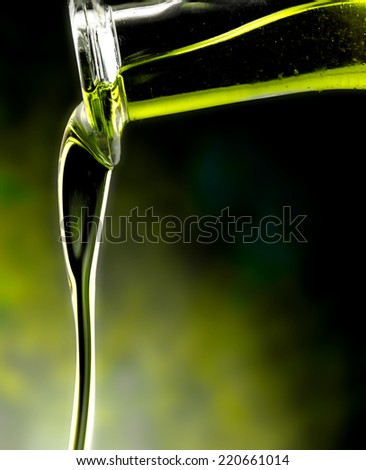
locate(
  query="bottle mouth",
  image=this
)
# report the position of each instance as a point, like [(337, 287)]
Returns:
[(95, 42), (99, 61)]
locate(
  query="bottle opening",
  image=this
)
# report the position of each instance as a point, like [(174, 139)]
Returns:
[(95, 42)]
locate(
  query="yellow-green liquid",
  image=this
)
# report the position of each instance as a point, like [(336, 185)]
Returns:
[(326, 73), (257, 60)]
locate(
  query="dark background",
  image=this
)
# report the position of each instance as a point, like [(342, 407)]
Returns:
[(215, 346)]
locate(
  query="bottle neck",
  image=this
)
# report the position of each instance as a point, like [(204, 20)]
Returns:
[(107, 37), (175, 56)]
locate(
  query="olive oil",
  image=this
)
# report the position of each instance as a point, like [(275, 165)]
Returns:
[(83, 188), (308, 48)]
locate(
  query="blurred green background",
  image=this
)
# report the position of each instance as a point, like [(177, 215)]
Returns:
[(198, 346)]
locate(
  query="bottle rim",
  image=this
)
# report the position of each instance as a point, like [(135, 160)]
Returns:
[(95, 42)]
